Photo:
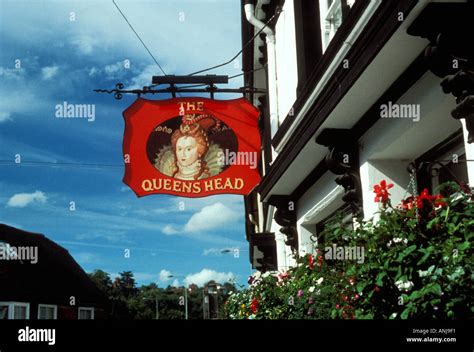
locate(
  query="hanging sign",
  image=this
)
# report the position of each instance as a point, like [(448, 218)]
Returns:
[(191, 147)]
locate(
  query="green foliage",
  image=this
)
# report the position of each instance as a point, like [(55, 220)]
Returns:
[(127, 301), (418, 264)]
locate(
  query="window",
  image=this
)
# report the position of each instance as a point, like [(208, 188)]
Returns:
[(86, 313), (14, 310), (47, 311), (332, 13), (347, 219), (3, 311)]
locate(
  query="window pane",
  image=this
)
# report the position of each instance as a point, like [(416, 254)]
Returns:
[(85, 314), (3, 312), (46, 313), (19, 312)]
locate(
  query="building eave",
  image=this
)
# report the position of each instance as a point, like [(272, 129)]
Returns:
[(371, 41)]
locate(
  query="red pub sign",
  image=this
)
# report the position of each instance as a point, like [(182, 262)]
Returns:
[(191, 147)]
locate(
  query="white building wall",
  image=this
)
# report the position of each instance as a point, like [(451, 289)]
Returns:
[(287, 72), (374, 171), (469, 154), (392, 143)]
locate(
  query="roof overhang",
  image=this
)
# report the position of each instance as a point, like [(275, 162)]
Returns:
[(376, 61)]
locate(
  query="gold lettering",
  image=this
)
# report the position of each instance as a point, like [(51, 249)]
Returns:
[(197, 187), (228, 184), (159, 184), (218, 183), (191, 106), (200, 106), (187, 186), (208, 186), (146, 185), (176, 186), (239, 183), (167, 184)]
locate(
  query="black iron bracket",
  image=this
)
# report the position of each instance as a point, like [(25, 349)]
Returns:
[(343, 160), (207, 84)]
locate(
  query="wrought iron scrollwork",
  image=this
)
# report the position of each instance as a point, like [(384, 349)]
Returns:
[(119, 90)]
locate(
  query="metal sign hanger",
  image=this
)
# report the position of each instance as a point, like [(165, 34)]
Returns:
[(207, 82)]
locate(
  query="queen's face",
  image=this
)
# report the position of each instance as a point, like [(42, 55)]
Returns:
[(186, 150)]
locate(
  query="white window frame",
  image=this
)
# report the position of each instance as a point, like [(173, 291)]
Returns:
[(91, 309), (328, 14), (55, 307), (11, 309)]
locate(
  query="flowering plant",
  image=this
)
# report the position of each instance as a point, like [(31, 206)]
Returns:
[(417, 263)]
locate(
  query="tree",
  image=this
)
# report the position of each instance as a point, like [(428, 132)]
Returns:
[(124, 285), (102, 281)]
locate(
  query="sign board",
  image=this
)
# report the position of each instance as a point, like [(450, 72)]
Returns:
[(191, 147)]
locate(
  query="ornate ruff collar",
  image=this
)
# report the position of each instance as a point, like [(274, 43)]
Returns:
[(188, 172)]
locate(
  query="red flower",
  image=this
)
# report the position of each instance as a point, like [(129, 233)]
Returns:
[(439, 202), (407, 204), (381, 191), (423, 199), (425, 196), (283, 276), (311, 262), (465, 188), (320, 260), (254, 305)]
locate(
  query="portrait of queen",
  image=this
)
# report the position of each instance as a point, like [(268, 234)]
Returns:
[(191, 154)]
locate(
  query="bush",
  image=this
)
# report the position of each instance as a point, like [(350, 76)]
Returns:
[(417, 263)]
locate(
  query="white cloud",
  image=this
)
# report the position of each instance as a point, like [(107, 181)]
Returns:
[(142, 277), (112, 70), (205, 275), (114, 236), (169, 230), (4, 116), (211, 217), (85, 258), (175, 283), (165, 275), (21, 200), (93, 71), (85, 43), (49, 72), (231, 201), (144, 77)]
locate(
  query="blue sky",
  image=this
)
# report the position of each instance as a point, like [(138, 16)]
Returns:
[(63, 60)]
